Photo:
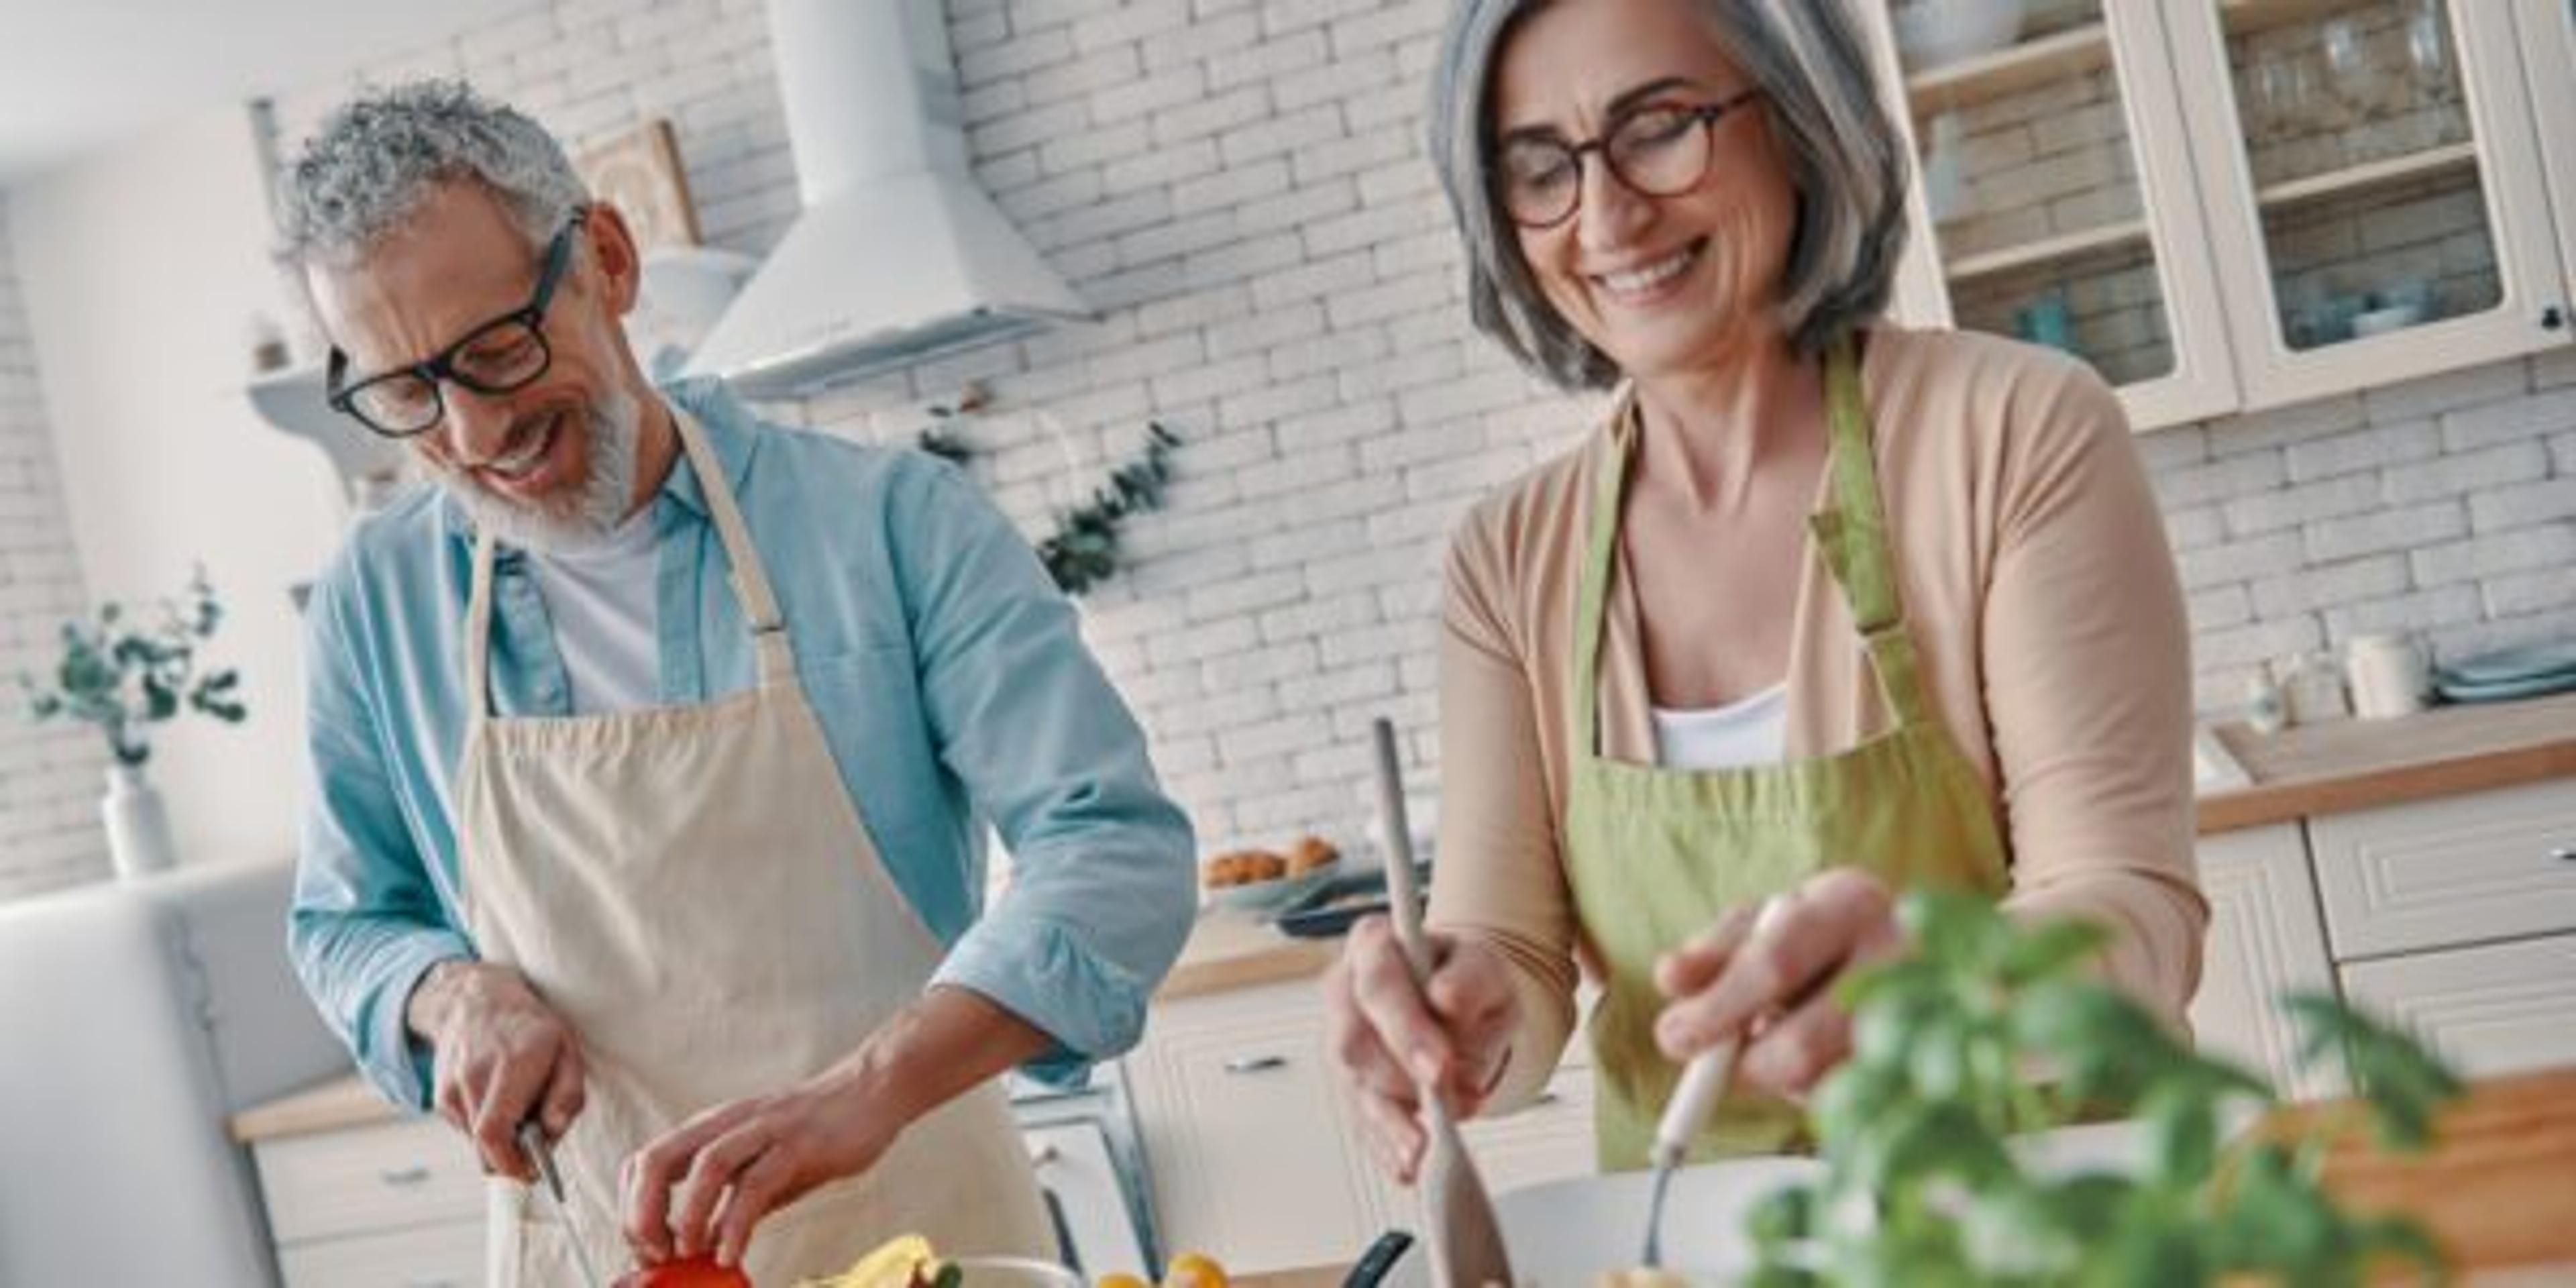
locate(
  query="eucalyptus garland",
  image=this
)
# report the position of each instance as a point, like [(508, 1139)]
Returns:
[(1083, 551)]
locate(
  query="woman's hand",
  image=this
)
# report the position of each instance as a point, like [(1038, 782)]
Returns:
[(1778, 985), (1385, 1038), (701, 1188)]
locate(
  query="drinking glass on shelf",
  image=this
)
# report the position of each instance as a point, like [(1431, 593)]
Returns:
[(2428, 51), (2353, 81)]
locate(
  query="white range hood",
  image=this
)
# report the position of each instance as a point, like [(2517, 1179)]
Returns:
[(898, 255)]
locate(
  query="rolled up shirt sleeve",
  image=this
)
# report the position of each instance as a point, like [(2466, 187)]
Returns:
[(1102, 892), (366, 922)]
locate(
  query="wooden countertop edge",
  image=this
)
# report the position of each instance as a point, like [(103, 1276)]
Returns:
[(345, 1101), (2300, 798), (1289, 959)]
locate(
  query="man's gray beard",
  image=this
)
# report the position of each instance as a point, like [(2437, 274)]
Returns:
[(616, 426)]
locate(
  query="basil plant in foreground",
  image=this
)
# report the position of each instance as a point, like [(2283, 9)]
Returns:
[(124, 671), (1991, 1029)]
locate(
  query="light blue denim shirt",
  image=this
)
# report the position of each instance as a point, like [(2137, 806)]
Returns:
[(946, 670)]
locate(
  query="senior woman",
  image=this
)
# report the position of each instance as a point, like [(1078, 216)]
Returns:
[(1823, 610)]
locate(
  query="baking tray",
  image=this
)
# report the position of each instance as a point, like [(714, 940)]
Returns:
[(1330, 910)]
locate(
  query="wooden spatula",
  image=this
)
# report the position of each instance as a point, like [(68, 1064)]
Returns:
[(1466, 1245)]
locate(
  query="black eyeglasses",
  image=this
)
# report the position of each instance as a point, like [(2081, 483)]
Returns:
[(1661, 150), (509, 352)]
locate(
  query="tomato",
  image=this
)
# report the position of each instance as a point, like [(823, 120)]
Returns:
[(688, 1272)]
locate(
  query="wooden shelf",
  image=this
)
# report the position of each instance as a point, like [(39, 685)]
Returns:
[(2076, 51), (2370, 174), (2048, 250), (2245, 17)]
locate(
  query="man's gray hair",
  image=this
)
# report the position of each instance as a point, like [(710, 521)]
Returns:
[(378, 157), (1846, 161)]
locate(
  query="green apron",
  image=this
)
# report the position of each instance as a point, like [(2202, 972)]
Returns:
[(1656, 855)]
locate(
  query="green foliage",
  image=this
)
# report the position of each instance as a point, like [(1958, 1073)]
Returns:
[(1083, 550), (1991, 1029), (123, 674)]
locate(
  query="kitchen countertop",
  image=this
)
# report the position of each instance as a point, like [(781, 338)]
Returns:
[(2357, 764)]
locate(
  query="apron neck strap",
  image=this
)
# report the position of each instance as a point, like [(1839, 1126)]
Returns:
[(750, 580), (478, 628), (1851, 532), (1853, 536)]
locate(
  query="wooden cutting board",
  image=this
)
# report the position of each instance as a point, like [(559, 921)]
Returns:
[(2499, 1187)]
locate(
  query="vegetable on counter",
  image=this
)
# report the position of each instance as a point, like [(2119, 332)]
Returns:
[(688, 1272)]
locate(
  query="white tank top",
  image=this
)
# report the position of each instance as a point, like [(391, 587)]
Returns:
[(1751, 731)]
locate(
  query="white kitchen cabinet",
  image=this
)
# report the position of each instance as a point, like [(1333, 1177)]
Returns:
[(2226, 205), (2056, 200), (1254, 1158), (2373, 155), (434, 1256), (2464, 870), (392, 1205), (2265, 939), (2492, 1010), (1257, 1155), (2546, 30), (2455, 916)]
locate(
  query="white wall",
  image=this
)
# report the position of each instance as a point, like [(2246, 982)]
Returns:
[(142, 268), (49, 776)]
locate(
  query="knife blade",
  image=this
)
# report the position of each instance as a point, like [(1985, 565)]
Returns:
[(533, 1143)]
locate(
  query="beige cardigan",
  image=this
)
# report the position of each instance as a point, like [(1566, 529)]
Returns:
[(2042, 592)]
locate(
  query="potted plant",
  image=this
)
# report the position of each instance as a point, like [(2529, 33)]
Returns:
[(1991, 1030), (124, 671)]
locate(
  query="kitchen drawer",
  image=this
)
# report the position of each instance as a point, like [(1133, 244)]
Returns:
[(413, 1173), (2494, 1009), (2444, 873), (1245, 1133), (437, 1256), (1549, 1140)]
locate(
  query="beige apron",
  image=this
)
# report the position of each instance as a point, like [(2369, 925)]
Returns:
[(691, 888)]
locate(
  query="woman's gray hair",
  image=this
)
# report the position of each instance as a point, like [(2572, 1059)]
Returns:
[(1846, 162), (380, 155)]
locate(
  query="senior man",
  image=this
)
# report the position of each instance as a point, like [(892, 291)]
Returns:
[(648, 749)]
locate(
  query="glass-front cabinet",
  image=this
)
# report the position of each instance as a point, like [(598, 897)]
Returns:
[(2225, 205)]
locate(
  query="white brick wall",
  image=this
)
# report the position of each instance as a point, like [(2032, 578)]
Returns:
[(1237, 184), (50, 777)]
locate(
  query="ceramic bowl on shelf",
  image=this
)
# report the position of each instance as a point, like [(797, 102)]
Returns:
[(2381, 321), (1936, 33)]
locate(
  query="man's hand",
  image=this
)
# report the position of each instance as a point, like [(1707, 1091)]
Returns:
[(502, 1054), (702, 1187)]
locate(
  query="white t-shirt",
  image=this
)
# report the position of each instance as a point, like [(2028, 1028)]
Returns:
[(1753, 730), (602, 600)]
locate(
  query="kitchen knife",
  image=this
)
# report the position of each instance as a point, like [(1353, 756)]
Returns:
[(533, 1143)]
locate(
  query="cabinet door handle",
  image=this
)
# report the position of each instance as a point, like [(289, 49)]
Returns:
[(403, 1178), (2553, 317), (1256, 1063), (2564, 853), (1547, 1098)]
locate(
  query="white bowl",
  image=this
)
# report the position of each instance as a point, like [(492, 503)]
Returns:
[(1936, 33), (2396, 317)]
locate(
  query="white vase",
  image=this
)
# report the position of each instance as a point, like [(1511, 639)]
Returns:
[(138, 824)]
